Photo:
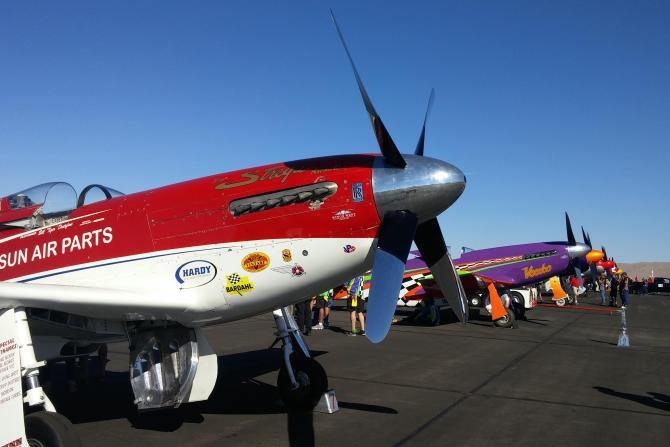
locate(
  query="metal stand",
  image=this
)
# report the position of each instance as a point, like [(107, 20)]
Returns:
[(328, 403), (30, 367), (623, 336)]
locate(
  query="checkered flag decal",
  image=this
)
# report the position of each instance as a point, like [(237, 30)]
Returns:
[(234, 278), (411, 284)]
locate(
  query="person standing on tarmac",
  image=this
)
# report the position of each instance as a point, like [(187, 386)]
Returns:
[(614, 288), (602, 285), (574, 283), (356, 305), (623, 287), (303, 316), (324, 311)]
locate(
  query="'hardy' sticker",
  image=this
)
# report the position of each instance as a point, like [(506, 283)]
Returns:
[(195, 274), (238, 285)]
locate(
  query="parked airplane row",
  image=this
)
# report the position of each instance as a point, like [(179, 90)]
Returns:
[(155, 267)]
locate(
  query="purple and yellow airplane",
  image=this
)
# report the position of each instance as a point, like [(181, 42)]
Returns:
[(507, 266)]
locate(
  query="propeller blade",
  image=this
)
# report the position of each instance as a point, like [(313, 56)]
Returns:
[(395, 240), (586, 238), (386, 145), (578, 274), (571, 235), (422, 137), (604, 252), (430, 242), (594, 273)]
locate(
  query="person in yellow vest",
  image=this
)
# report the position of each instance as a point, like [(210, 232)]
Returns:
[(324, 311), (356, 305)]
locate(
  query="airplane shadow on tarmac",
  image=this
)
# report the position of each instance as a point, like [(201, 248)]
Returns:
[(654, 400), (236, 392)]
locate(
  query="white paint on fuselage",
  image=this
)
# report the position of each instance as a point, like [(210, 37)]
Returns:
[(324, 260)]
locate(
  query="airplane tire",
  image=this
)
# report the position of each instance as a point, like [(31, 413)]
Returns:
[(46, 429), (312, 379), (561, 302), (506, 321), (475, 301)]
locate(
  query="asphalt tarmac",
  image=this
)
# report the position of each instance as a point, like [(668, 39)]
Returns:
[(558, 379)]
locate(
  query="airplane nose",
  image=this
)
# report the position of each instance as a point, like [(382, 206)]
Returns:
[(578, 250), (594, 256), (426, 186)]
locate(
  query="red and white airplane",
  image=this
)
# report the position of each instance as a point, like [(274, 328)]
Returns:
[(155, 267)]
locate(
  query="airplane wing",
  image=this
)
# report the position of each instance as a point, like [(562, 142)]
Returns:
[(496, 278), (91, 301)]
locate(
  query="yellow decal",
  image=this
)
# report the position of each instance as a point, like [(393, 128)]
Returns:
[(532, 272), (286, 255), (255, 262), (238, 285)]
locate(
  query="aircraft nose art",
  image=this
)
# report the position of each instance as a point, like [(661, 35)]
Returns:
[(426, 186)]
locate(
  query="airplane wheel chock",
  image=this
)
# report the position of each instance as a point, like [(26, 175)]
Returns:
[(47, 429), (312, 383)]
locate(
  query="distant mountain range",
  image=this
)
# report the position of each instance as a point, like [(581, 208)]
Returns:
[(643, 269)]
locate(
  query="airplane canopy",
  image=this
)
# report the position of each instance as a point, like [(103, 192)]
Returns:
[(30, 207)]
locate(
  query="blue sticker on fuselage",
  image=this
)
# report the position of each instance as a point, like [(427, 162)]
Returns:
[(195, 274), (357, 192)]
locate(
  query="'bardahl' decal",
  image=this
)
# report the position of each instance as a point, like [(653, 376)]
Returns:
[(255, 262), (238, 285), (195, 274)]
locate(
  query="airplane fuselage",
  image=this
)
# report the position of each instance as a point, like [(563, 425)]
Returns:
[(217, 248)]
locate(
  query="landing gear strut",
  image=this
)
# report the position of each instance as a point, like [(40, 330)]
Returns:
[(44, 428), (302, 381)]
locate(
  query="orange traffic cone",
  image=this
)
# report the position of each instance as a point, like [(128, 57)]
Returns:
[(497, 307)]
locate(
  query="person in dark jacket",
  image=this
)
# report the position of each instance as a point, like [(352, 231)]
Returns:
[(624, 285), (303, 316), (614, 288)]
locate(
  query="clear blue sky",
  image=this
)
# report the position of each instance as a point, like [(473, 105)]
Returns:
[(546, 106)]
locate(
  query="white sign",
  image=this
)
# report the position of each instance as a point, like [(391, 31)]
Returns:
[(12, 432)]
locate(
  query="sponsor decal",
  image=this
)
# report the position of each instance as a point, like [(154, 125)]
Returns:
[(305, 252), (195, 274), (79, 242), (238, 285), (349, 248), (293, 270), (286, 255), (357, 192), (344, 215), (255, 262), (532, 272), (315, 205)]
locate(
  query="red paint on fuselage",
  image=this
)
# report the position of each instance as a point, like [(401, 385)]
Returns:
[(196, 213)]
